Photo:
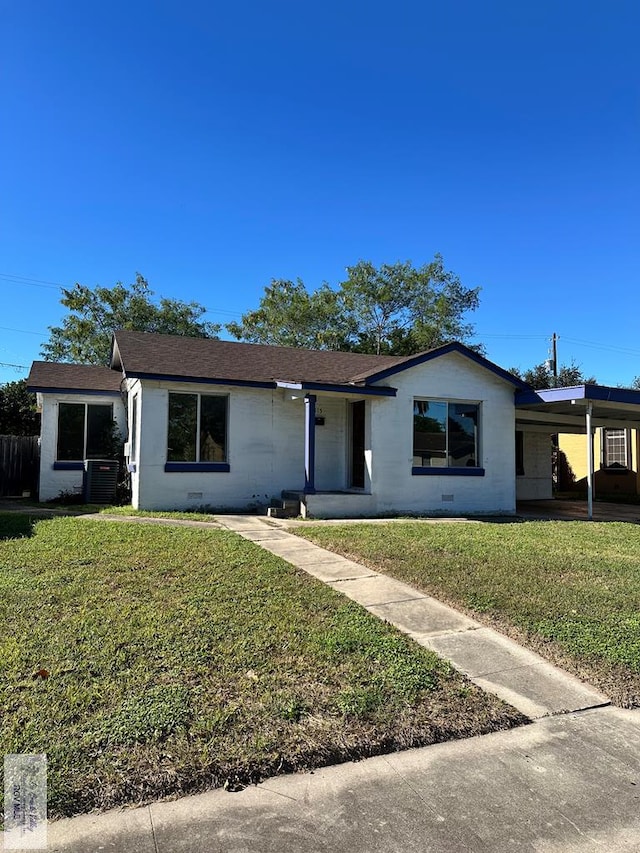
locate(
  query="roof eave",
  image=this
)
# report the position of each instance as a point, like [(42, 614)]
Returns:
[(339, 388)]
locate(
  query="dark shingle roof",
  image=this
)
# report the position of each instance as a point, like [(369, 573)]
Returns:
[(169, 355), (148, 354), (51, 375)]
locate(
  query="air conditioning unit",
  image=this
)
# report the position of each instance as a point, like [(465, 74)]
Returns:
[(100, 481)]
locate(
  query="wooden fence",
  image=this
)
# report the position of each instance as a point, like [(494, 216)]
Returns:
[(19, 465)]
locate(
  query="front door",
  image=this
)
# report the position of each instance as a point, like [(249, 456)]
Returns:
[(357, 445)]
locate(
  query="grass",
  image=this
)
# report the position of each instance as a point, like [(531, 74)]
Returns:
[(143, 513), (151, 661), (569, 590), (108, 509)]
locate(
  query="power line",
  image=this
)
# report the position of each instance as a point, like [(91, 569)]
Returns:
[(512, 337), (607, 347), (23, 331), (16, 366), (31, 282), (10, 278)]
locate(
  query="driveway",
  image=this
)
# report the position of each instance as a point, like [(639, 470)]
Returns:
[(572, 510)]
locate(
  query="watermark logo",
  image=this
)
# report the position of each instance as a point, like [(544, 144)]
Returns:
[(25, 802)]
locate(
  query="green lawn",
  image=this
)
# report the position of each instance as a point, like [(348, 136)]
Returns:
[(570, 590), (153, 661), (143, 513)]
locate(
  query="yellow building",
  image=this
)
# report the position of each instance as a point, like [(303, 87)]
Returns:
[(615, 457)]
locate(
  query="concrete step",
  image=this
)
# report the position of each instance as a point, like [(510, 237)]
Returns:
[(284, 508)]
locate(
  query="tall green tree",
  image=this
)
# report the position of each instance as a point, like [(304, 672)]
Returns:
[(396, 309), (399, 309), (290, 316), (541, 378), (18, 413), (94, 314)]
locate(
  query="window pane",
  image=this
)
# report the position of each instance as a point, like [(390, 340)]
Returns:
[(616, 448), (519, 453), (213, 429), (429, 433), (133, 431), (183, 416), (71, 431), (463, 432), (99, 426)]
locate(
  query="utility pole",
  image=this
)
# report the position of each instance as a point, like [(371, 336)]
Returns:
[(555, 360)]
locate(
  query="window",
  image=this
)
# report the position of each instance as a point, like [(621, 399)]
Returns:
[(519, 453), (197, 433), (84, 431), (445, 437), (133, 431), (615, 448)]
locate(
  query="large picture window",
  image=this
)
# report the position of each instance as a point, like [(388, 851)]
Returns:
[(197, 428), (84, 431), (445, 435)]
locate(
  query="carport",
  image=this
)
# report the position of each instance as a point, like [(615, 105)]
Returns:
[(579, 409)]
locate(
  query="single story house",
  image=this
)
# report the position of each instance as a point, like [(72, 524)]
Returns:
[(233, 425)]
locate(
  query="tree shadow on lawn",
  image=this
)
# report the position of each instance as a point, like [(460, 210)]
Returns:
[(15, 525)]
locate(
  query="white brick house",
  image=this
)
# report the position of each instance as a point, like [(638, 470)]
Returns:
[(231, 425)]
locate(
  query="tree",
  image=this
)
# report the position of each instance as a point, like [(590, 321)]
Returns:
[(396, 309), (400, 310), (18, 414), (540, 377), (290, 316), (95, 314)]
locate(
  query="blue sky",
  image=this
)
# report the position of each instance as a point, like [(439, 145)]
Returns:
[(213, 147)]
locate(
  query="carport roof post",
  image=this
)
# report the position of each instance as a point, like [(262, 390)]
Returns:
[(589, 437)]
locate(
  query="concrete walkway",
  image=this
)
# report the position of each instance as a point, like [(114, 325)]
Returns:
[(493, 662), (567, 784)]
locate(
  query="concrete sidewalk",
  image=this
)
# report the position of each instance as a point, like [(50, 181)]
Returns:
[(567, 784), (490, 660)]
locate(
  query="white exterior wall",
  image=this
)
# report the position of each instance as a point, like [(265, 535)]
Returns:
[(265, 450), (450, 377), (536, 483), (53, 482)]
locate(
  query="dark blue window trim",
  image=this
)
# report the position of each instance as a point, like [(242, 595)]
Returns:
[(447, 472), (68, 466), (197, 466)]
